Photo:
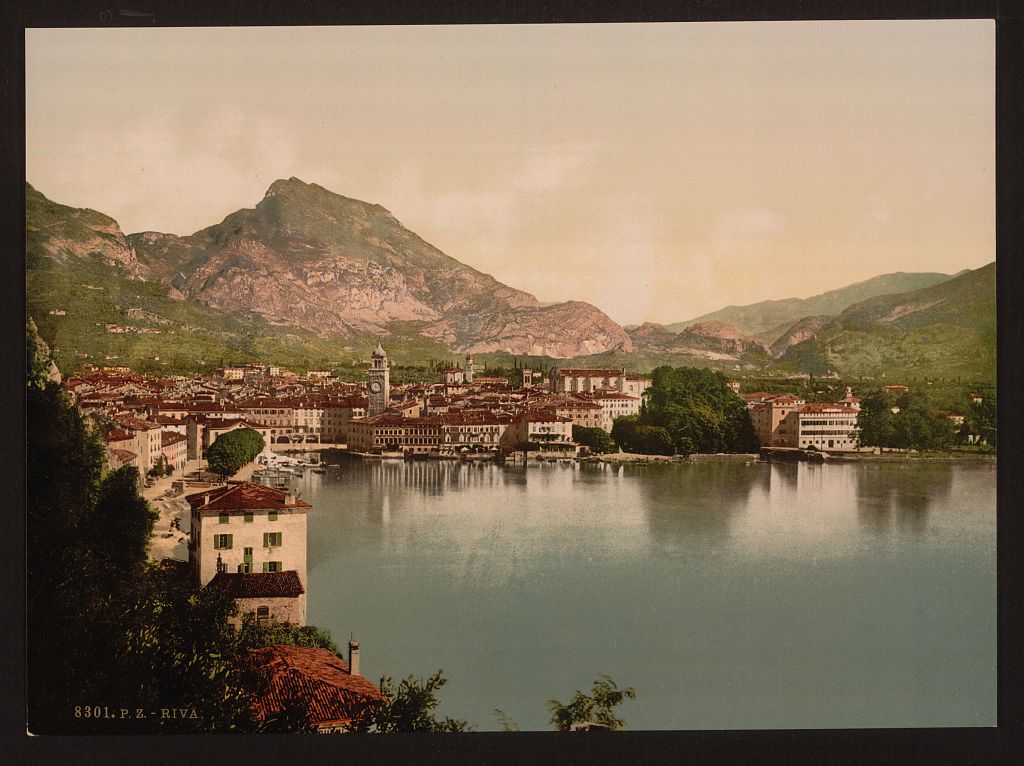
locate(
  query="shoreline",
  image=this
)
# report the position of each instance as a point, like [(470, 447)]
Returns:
[(165, 539)]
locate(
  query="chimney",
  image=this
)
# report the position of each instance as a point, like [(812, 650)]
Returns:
[(206, 499), (353, 658), (289, 498)]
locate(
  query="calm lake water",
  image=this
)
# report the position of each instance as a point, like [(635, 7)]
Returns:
[(728, 595)]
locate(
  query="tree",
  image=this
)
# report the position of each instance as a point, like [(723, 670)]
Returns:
[(234, 449), (105, 625), (698, 411), (255, 634), (409, 707), (597, 707), (597, 440)]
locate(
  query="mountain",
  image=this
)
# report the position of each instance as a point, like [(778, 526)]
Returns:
[(804, 330), (709, 341), (947, 328), (68, 234), (767, 320), (338, 267)]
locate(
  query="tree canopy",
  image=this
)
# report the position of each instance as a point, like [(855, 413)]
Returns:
[(597, 440), (234, 449), (687, 410), (410, 707), (912, 426), (597, 707)]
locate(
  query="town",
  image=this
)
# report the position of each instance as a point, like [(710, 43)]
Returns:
[(247, 533)]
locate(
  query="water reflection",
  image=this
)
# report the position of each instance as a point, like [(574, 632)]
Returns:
[(898, 497), (697, 499)]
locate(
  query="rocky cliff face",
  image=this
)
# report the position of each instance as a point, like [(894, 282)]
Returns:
[(714, 341), (804, 330), (64, 233), (306, 256)]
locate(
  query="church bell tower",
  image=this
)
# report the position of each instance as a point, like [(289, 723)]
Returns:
[(380, 382)]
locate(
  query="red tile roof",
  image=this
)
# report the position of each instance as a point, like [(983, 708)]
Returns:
[(834, 408), (167, 438), (258, 584), (242, 496), (316, 679), (117, 435)]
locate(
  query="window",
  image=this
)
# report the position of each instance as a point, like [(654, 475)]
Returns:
[(245, 568), (272, 566), (272, 516), (223, 518), (271, 539), (247, 517), (222, 542), (262, 614), (247, 555)]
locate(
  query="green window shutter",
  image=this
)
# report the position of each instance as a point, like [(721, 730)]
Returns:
[(247, 556), (265, 566), (272, 516), (230, 538), (266, 539), (248, 518), (223, 518)]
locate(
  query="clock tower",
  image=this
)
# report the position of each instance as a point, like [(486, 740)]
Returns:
[(380, 383)]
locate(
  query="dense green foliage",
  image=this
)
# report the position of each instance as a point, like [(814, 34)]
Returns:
[(597, 707), (109, 632), (105, 627), (234, 449), (687, 410), (636, 437), (597, 440), (911, 427), (255, 634), (410, 707)]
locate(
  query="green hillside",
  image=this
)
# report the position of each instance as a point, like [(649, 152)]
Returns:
[(947, 329), (769, 319)]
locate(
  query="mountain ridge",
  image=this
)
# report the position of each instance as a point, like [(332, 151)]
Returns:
[(336, 266), (764, 317)]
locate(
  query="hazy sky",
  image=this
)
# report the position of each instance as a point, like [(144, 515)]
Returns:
[(658, 171)]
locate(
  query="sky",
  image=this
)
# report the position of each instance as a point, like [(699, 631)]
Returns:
[(657, 171)]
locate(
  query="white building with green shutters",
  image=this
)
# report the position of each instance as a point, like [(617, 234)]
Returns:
[(247, 528)]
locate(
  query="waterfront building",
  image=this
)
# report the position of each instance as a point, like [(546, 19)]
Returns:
[(540, 430), (242, 527), (770, 416), (266, 596), (826, 427)]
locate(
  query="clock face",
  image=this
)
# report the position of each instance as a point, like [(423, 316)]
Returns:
[(375, 386)]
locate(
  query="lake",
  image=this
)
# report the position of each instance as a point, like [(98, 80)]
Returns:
[(729, 595)]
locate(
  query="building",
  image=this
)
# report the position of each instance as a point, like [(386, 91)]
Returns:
[(267, 596), (390, 433), (337, 414), (145, 440), (244, 527), (174, 449), (615, 406), (539, 430), (770, 416), (577, 381), (315, 683), (380, 382), (826, 427)]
